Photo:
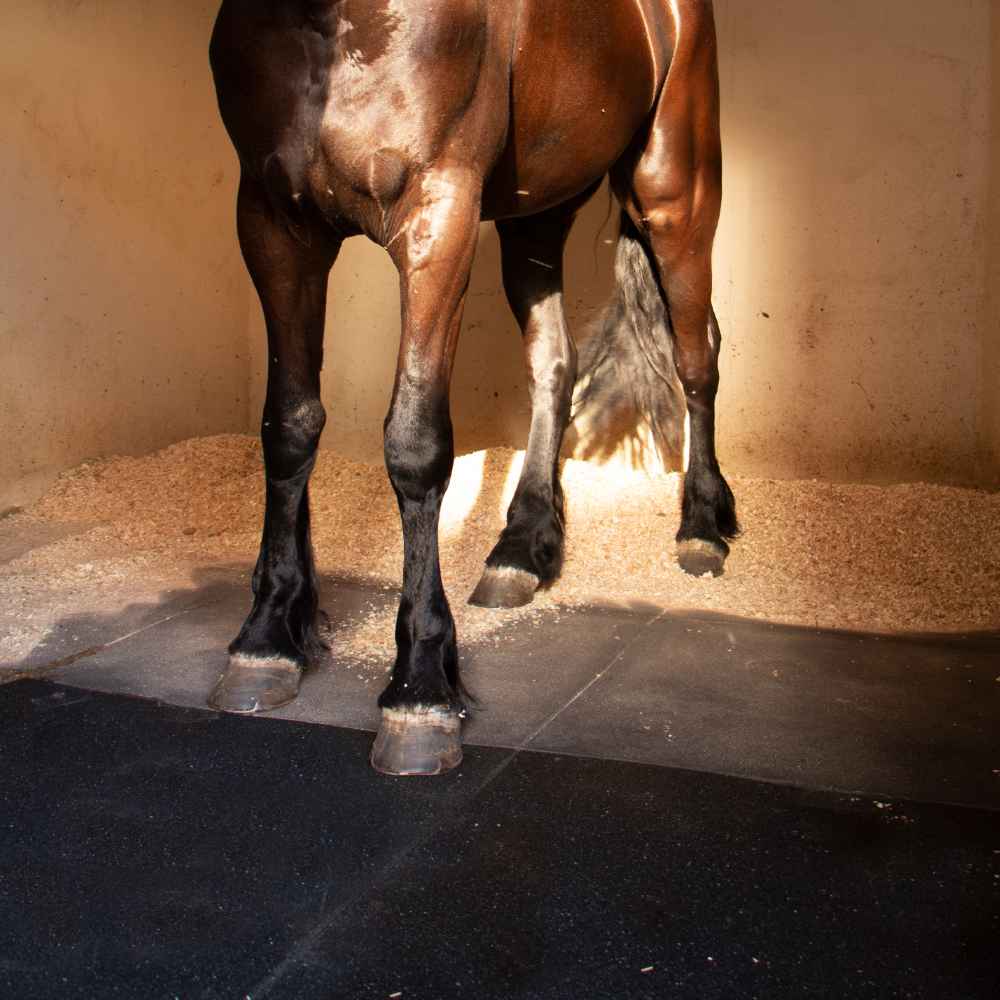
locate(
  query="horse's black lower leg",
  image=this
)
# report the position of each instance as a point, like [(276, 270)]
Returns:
[(530, 550), (422, 705), (279, 638), (708, 510), (672, 189)]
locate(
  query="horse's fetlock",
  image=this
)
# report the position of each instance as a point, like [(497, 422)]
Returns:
[(422, 681), (708, 509), (532, 542)]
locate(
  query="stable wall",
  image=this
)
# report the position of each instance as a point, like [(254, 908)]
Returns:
[(857, 155), (123, 305), (989, 382)]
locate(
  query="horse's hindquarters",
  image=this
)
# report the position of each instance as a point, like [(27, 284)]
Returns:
[(584, 79)]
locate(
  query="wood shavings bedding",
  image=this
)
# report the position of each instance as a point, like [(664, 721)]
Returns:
[(913, 557)]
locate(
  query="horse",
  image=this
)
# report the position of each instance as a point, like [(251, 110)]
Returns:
[(410, 122)]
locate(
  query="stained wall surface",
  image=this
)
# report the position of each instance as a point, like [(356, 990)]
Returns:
[(857, 160), (989, 382), (123, 305)]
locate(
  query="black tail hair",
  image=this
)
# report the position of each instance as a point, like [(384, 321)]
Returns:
[(626, 368)]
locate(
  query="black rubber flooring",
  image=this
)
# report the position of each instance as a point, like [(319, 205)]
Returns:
[(652, 805), (149, 850)]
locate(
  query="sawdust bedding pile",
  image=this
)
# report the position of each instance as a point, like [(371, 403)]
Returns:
[(911, 557)]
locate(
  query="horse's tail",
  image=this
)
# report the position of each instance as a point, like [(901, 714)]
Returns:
[(626, 368)]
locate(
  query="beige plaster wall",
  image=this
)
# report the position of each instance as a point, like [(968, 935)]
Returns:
[(989, 384), (857, 151), (857, 142), (123, 305)]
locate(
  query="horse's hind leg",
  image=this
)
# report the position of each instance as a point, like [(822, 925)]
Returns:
[(673, 193), (278, 638), (530, 549)]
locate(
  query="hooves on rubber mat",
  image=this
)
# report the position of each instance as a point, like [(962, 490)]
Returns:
[(251, 684), (417, 742)]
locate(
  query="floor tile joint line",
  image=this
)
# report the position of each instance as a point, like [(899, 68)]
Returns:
[(85, 654), (524, 744)]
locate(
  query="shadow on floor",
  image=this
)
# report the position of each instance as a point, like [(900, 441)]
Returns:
[(913, 717)]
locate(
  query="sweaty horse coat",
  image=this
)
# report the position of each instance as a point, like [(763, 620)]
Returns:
[(409, 121)]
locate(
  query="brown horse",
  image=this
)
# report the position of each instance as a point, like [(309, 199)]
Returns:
[(409, 121)]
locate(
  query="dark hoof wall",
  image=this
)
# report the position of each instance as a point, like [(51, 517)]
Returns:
[(504, 587), (417, 742), (698, 557), (251, 684)]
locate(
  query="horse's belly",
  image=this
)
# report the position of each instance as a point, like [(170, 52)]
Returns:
[(584, 78)]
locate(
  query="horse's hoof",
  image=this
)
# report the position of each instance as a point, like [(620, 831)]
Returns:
[(504, 587), (417, 741), (255, 684), (698, 557)]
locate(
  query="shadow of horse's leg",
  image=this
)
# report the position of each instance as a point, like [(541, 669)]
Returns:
[(423, 704), (279, 637), (530, 549)]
